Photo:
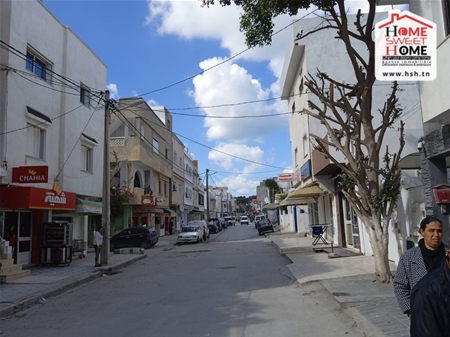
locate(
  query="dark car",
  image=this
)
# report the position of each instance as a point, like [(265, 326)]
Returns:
[(144, 237), (217, 222), (264, 225), (213, 229)]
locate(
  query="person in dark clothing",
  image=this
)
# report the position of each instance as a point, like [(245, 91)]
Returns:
[(419, 261), (171, 227), (430, 303)]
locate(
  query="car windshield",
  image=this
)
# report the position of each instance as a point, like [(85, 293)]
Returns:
[(244, 218), (189, 229)]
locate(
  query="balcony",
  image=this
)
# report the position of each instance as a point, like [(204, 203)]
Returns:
[(135, 149)]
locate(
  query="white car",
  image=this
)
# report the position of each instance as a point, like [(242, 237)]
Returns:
[(244, 220), (191, 233)]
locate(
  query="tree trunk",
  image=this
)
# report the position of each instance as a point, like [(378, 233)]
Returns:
[(379, 241)]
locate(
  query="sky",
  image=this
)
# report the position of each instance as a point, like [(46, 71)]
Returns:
[(177, 54)]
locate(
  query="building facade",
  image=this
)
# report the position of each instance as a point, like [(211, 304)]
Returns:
[(51, 133)]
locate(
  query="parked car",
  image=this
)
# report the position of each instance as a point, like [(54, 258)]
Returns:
[(230, 221), (244, 220), (223, 222), (216, 221), (258, 218), (213, 229), (265, 225), (204, 226), (190, 234), (144, 237)]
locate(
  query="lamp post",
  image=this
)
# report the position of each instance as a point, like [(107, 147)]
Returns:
[(106, 186)]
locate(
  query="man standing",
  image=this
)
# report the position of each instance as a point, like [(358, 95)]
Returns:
[(98, 242), (430, 303), (171, 226)]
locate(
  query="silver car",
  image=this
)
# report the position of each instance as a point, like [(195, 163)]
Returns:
[(190, 234)]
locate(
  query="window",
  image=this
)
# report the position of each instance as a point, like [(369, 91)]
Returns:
[(35, 142), (160, 187), (447, 15), (165, 188), (175, 157), (295, 157), (85, 96), (174, 187), (300, 88), (167, 154), (305, 145), (38, 66), (87, 158), (179, 188), (155, 146)]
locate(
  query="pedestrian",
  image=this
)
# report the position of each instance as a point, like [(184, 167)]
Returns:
[(182, 223), (98, 242), (171, 227), (415, 263), (430, 303), (10, 236)]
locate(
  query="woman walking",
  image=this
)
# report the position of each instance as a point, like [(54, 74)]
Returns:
[(417, 262)]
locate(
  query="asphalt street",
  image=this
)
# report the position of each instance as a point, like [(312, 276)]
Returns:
[(234, 285)]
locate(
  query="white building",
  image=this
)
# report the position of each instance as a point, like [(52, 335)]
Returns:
[(51, 126), (434, 147), (316, 198), (188, 187)]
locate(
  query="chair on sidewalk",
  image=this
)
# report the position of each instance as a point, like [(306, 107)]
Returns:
[(318, 231)]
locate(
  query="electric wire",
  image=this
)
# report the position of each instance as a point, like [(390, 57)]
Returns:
[(74, 145)]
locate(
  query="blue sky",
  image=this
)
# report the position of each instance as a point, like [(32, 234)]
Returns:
[(148, 45)]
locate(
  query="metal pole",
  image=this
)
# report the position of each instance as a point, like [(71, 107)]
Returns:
[(106, 185), (221, 203), (207, 196)]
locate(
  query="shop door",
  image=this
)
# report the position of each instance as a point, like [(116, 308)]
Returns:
[(351, 225), (24, 239)]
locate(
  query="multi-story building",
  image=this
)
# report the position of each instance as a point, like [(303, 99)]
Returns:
[(198, 212), (434, 148), (177, 202), (316, 197), (51, 132), (188, 186), (141, 153)]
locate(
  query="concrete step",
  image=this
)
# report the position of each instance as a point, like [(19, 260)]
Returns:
[(5, 278), (7, 262), (11, 268)]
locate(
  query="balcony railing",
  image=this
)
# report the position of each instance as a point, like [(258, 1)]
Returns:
[(117, 141)]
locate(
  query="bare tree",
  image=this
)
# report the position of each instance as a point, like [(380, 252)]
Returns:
[(370, 176)]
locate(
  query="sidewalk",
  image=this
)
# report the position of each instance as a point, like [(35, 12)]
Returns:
[(349, 279), (48, 281)]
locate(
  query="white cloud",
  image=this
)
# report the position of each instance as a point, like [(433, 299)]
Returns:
[(152, 102), (113, 91), (251, 153)]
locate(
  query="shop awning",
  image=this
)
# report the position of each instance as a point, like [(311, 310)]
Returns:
[(305, 192), (298, 201), (303, 195), (17, 197), (88, 207), (169, 212), (270, 206)]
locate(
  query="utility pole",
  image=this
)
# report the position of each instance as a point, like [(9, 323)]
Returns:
[(106, 186), (207, 196), (221, 203)]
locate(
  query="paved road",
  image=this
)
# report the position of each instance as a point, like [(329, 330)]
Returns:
[(236, 285)]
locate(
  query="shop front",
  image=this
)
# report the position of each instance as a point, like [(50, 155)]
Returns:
[(23, 210)]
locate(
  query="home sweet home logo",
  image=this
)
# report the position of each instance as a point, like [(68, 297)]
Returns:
[(405, 48)]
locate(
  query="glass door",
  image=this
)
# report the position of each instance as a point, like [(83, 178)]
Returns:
[(351, 225), (24, 239)]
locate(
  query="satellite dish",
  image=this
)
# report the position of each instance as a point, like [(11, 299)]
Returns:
[(266, 200)]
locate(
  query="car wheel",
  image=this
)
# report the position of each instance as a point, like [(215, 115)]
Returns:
[(145, 245)]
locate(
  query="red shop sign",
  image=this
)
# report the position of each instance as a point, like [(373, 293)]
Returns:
[(16, 197), (30, 174)]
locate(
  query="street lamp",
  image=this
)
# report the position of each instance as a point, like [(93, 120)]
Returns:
[(106, 186)]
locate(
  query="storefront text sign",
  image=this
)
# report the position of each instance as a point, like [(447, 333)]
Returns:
[(148, 201), (30, 174)]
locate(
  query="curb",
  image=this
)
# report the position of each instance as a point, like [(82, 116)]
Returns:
[(31, 301)]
